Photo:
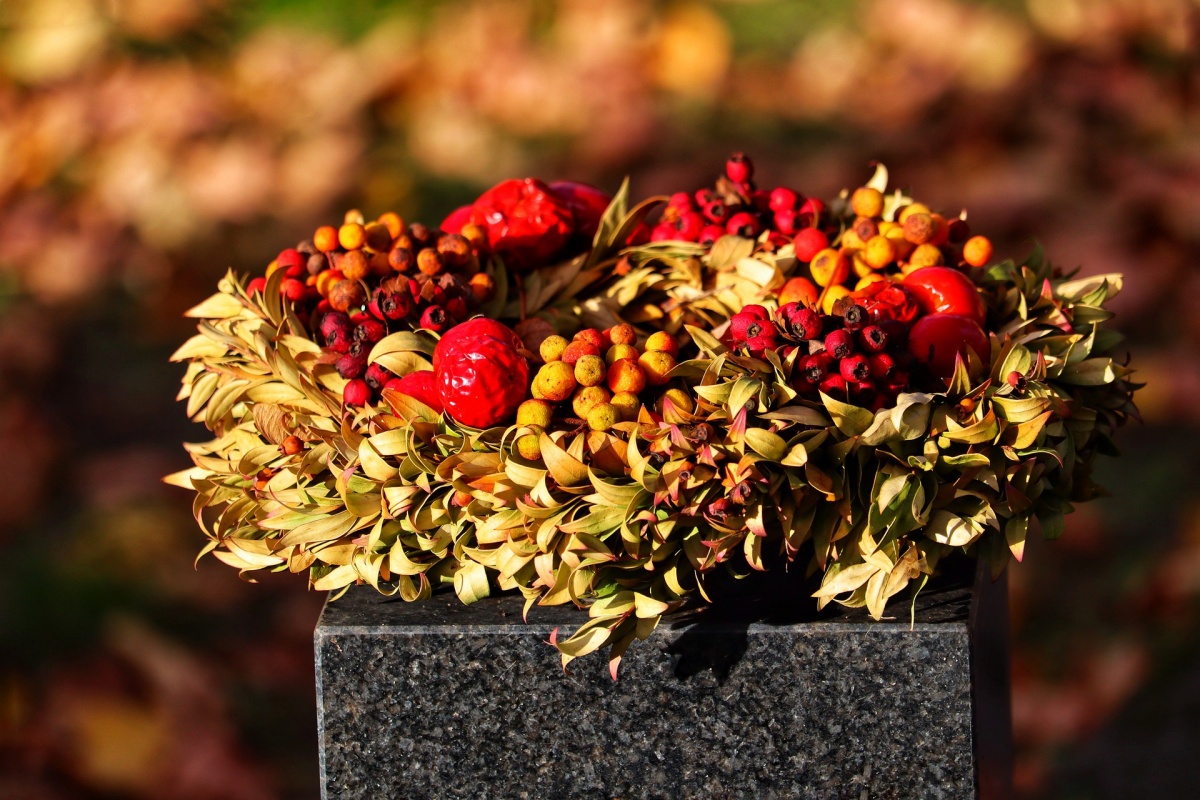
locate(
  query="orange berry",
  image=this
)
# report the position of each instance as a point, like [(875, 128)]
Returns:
[(619, 351), (663, 342), (830, 267), (576, 349), (455, 250), (977, 251), (625, 375), (353, 216), (867, 202), (656, 364), (941, 230), (393, 222), (475, 234), (401, 259), (591, 336), (327, 279), (326, 239), (909, 210), (352, 236), (879, 252), (483, 287), (354, 265), (799, 290), (429, 261), (622, 334)]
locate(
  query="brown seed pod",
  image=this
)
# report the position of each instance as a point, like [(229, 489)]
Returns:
[(346, 294), (401, 259), (317, 263), (421, 235)]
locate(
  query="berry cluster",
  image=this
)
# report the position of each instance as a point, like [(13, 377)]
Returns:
[(602, 374), (735, 206), (848, 355)]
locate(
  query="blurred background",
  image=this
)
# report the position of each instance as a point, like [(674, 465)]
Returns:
[(148, 145)]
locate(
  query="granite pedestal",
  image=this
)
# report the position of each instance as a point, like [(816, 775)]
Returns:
[(441, 700)]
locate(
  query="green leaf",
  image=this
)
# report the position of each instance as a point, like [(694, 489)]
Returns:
[(849, 419), (769, 445)]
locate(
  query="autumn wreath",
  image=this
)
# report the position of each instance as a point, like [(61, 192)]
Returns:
[(602, 403)]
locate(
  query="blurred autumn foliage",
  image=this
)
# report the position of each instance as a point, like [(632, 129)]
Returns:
[(147, 145)]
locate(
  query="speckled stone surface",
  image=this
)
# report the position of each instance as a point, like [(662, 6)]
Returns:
[(440, 700)]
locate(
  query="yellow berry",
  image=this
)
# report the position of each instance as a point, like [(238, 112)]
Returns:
[(926, 255), (602, 416), (590, 370), (535, 412), (867, 202), (625, 375), (832, 295), (627, 403), (879, 252), (352, 236), (829, 267), (552, 348), (530, 447), (867, 280), (588, 397), (556, 381), (910, 209), (656, 364)]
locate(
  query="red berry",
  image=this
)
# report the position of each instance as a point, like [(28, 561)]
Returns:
[(786, 220), (689, 225), (335, 321), (833, 385), (716, 212), (855, 368), (356, 393), (764, 341), (710, 234), (681, 201), (339, 341), (809, 242), (937, 339), (663, 232), (351, 365), (756, 310), (855, 317), (744, 225), (747, 324), (783, 199), (739, 168), (800, 321), (391, 305), (945, 290), (815, 367), (812, 208), (882, 366), (456, 307), (292, 289), (839, 343), (577, 350), (369, 330), (591, 336), (420, 385), (873, 338), (435, 319), (293, 261), (260, 284), (377, 377)]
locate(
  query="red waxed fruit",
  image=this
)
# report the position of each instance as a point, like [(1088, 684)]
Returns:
[(586, 202), (473, 329), (481, 378), (945, 290), (936, 339), (419, 385), (527, 223)]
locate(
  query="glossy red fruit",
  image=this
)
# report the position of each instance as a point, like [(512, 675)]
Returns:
[(457, 219), (472, 329), (420, 385), (292, 261), (945, 290), (744, 225), (739, 168), (936, 339), (587, 203), (783, 198), (527, 223), (481, 378)]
